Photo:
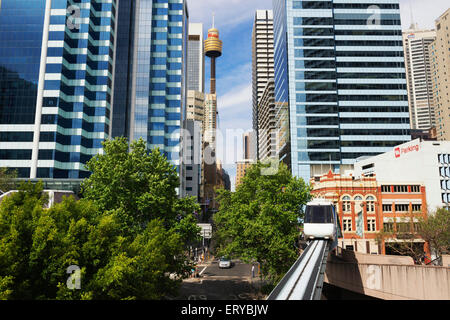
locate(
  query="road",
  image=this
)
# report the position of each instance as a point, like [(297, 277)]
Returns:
[(235, 283)]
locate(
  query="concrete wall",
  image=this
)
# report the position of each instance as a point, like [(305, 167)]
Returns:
[(357, 257), (400, 280), (446, 260)]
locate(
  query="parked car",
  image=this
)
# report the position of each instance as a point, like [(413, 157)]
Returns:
[(224, 262)]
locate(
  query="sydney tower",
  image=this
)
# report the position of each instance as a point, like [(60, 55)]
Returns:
[(213, 49)]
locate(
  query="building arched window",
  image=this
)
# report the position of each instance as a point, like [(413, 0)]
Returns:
[(370, 204), (346, 204), (358, 198)]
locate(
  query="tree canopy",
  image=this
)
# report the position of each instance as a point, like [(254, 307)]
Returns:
[(260, 221), (7, 177), (137, 185), (436, 230), (127, 236)]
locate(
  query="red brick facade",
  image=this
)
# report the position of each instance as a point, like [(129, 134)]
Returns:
[(382, 206)]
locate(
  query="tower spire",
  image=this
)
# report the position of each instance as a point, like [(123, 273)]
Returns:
[(213, 14)]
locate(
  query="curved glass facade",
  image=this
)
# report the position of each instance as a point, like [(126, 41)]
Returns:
[(342, 64), (21, 26), (78, 83), (77, 86)]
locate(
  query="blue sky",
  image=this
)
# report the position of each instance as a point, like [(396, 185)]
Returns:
[(234, 19)]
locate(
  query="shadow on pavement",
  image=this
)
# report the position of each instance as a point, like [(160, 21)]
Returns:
[(209, 289)]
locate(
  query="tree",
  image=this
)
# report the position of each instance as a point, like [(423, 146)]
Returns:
[(7, 177), (38, 245), (138, 186), (127, 236), (402, 243), (260, 221), (435, 229)]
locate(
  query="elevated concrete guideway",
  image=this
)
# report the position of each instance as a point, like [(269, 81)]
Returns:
[(377, 276), (304, 280), (387, 277)]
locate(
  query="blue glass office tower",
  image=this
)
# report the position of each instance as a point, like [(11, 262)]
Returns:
[(339, 72), (150, 89), (56, 80)]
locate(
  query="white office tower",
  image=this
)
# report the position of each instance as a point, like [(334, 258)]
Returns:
[(418, 162), (262, 60), (191, 178), (419, 80), (196, 60)]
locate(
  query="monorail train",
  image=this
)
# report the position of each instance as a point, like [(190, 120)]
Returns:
[(321, 221)]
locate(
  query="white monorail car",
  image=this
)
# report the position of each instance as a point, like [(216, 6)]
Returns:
[(320, 220)]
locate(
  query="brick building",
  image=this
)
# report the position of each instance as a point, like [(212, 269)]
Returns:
[(394, 207)]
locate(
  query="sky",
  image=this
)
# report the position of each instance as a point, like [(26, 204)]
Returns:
[(234, 19)]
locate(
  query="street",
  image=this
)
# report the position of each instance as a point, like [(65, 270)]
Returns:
[(214, 283)]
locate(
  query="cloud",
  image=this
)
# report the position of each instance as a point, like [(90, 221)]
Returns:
[(424, 13), (228, 13), (236, 97)]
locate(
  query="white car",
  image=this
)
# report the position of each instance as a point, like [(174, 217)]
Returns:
[(224, 263)]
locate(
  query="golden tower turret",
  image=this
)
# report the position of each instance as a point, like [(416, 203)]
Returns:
[(213, 49)]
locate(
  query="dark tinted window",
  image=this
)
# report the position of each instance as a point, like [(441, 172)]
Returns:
[(319, 214)]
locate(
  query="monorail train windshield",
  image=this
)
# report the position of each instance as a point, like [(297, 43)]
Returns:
[(319, 214)]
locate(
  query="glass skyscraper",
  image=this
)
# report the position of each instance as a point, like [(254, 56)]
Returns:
[(75, 73), (339, 72), (56, 82), (149, 95)]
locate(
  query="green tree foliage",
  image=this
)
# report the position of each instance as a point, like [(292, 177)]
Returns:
[(7, 177), (137, 186), (37, 246), (436, 230), (260, 221), (127, 235)]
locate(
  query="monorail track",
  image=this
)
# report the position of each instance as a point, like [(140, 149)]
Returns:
[(304, 280)]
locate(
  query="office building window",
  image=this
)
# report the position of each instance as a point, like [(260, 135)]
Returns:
[(401, 207), (371, 224), (346, 205), (347, 224), (403, 189), (370, 204), (388, 226)]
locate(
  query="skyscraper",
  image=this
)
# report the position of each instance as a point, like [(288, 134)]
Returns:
[(56, 79), (262, 62), (213, 50), (150, 90), (192, 177), (249, 145), (196, 58), (266, 123), (419, 80), (440, 71), (339, 71)]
